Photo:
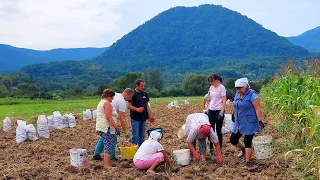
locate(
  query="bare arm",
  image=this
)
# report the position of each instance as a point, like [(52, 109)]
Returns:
[(204, 104), (122, 120), (256, 105), (167, 159), (108, 113), (190, 145)]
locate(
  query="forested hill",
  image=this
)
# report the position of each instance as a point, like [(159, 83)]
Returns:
[(181, 34), (183, 40), (309, 39), (12, 58)]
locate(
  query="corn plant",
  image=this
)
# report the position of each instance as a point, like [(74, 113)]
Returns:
[(295, 98)]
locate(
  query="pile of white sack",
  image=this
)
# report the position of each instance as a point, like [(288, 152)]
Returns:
[(58, 121), (24, 132), (173, 104)]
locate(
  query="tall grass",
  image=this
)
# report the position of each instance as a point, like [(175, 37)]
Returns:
[(293, 100)]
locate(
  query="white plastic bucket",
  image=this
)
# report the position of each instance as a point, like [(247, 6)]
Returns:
[(181, 156), (78, 157), (262, 146)]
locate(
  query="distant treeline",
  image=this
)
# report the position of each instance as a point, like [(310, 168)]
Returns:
[(22, 85)]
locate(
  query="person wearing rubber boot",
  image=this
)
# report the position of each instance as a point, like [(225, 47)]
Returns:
[(247, 119), (197, 127)]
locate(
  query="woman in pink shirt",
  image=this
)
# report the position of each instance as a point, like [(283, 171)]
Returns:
[(217, 93)]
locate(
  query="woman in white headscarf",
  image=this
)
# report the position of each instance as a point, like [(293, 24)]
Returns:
[(248, 119), (151, 153)]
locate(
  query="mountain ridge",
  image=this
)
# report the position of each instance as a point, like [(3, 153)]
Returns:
[(309, 39), (13, 58)]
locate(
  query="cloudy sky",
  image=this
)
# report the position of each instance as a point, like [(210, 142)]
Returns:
[(47, 24)]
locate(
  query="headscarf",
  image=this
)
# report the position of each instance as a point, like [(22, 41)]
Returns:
[(242, 82), (155, 135), (205, 130)]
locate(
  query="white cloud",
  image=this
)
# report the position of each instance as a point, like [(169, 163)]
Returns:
[(44, 24)]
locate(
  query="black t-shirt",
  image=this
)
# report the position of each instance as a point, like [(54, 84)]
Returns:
[(139, 100)]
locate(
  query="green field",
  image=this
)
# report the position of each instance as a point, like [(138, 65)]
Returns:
[(26, 109)]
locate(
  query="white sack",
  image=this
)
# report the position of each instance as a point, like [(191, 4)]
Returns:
[(43, 127)]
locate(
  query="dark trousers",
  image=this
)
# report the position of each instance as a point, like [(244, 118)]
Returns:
[(234, 139), (216, 123)]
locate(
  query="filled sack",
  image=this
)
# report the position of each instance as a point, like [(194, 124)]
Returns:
[(87, 114), (6, 124), (71, 120), (21, 131), (43, 127), (31, 132)]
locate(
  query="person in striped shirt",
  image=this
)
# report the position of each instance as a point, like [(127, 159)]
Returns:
[(197, 127)]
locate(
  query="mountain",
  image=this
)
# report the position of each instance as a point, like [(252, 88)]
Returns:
[(12, 58), (184, 33), (309, 39), (202, 39)]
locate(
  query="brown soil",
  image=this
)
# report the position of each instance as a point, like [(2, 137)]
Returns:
[(49, 158)]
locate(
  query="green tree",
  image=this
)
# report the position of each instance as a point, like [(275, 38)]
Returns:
[(27, 90), (6, 81), (3, 91), (153, 79), (126, 81), (195, 84)]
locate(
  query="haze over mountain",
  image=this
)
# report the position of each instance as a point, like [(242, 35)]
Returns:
[(202, 39), (12, 58), (309, 39)]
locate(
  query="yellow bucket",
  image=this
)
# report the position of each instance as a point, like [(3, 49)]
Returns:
[(128, 152)]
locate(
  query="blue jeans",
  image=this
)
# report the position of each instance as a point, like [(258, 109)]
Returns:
[(99, 148), (138, 130)]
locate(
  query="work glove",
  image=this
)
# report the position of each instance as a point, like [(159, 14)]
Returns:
[(261, 126), (232, 117), (151, 118), (221, 115), (117, 131), (126, 134), (140, 109), (196, 156), (220, 160)]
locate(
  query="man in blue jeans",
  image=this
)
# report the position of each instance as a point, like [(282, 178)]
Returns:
[(140, 111), (119, 103)]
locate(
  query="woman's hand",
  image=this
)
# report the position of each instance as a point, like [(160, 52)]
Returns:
[(221, 115)]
